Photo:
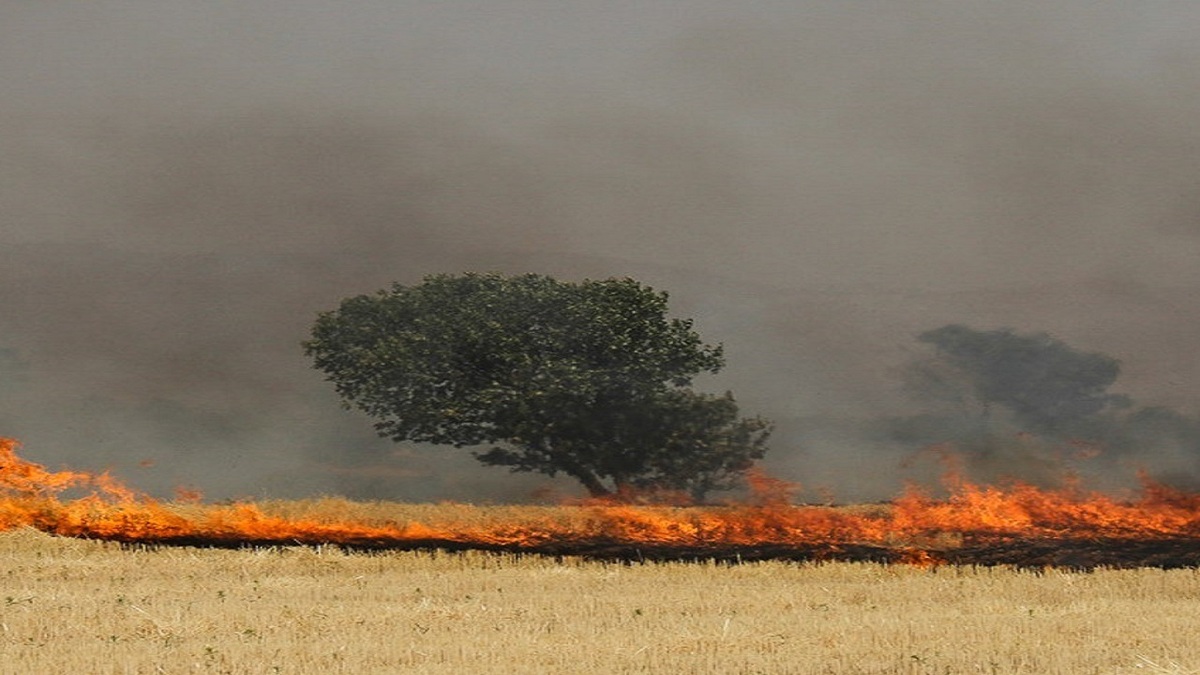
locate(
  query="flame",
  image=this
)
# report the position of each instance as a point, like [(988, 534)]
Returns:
[(914, 528)]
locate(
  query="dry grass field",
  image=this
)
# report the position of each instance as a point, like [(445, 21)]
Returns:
[(76, 606)]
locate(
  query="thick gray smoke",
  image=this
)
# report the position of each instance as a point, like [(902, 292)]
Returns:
[(184, 185)]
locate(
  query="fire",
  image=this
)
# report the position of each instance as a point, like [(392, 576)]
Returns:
[(975, 523)]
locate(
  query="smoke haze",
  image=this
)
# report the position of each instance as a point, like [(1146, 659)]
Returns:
[(183, 186)]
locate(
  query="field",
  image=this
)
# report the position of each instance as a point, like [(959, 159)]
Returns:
[(79, 606), (987, 580)]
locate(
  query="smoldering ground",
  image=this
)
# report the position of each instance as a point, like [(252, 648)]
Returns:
[(183, 187)]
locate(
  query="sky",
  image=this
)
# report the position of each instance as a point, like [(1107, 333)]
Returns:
[(184, 186)]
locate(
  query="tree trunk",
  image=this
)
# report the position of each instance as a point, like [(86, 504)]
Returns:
[(624, 489), (590, 481)]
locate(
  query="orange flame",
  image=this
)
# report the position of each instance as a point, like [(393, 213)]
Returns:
[(914, 528)]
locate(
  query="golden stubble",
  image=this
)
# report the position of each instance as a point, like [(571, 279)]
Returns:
[(75, 606)]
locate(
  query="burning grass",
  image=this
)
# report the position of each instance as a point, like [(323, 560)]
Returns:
[(1017, 525)]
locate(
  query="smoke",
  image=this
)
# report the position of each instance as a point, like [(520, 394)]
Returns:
[(184, 186)]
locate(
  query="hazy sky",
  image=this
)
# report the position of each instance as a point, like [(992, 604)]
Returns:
[(184, 185)]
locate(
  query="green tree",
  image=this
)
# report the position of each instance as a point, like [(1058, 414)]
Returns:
[(589, 379)]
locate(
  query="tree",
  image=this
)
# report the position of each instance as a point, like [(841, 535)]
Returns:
[(1044, 383), (1027, 403), (589, 379)]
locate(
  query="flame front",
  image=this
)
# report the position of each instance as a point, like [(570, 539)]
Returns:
[(913, 528)]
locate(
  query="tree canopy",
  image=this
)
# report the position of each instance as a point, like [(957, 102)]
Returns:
[(1028, 402), (1042, 381), (591, 379)]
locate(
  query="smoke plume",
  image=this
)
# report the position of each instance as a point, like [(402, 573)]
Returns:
[(184, 186)]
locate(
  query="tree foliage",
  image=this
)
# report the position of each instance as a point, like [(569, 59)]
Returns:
[(589, 379), (1044, 383), (1028, 402)]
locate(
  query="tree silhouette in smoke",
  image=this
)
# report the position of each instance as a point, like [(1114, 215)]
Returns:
[(588, 379), (1014, 402), (1044, 383), (1014, 405)]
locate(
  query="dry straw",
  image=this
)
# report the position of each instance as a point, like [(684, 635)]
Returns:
[(74, 606)]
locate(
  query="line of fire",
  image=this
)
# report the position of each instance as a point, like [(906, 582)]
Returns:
[(1018, 524)]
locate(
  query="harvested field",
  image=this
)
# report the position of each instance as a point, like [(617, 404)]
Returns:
[(75, 606), (1000, 581)]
